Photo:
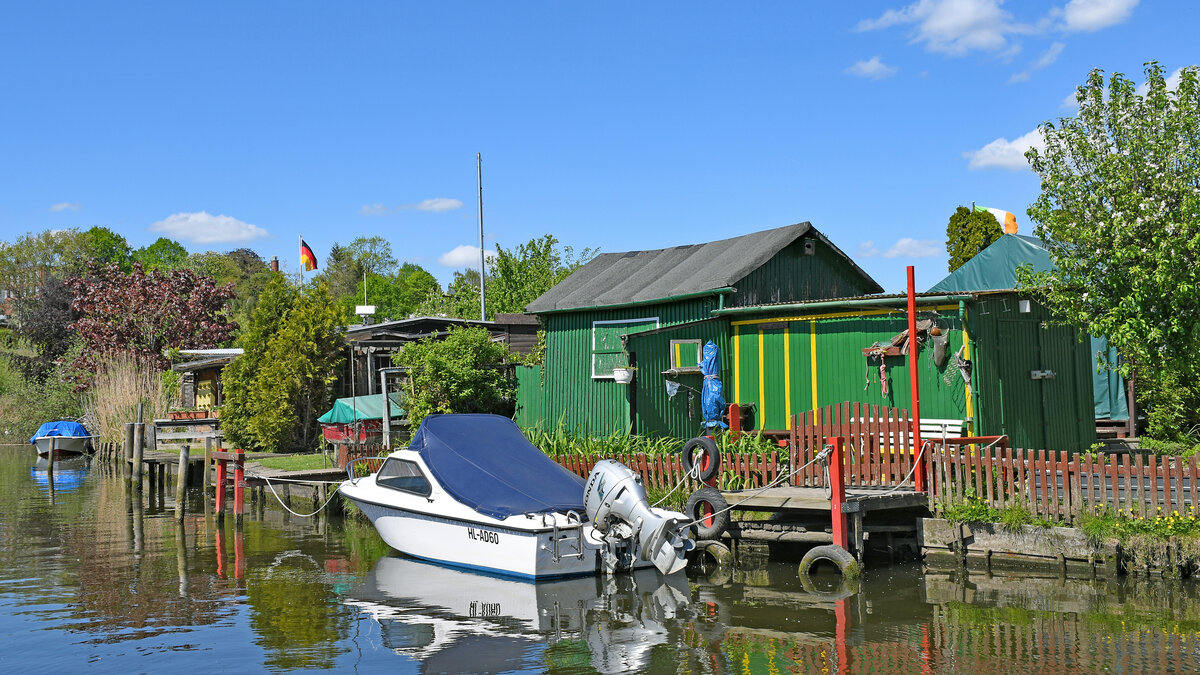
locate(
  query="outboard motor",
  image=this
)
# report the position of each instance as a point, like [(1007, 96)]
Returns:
[(617, 506)]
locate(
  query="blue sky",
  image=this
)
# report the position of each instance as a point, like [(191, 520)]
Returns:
[(617, 125)]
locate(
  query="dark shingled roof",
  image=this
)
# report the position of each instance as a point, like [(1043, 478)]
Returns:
[(641, 276)]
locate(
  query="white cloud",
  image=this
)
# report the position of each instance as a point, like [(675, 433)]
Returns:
[(463, 256), (1049, 57), (874, 69), (1005, 154), (1092, 15), (66, 206), (867, 249), (953, 27), (914, 248), (205, 228), (436, 205), (1069, 102), (1172, 83)]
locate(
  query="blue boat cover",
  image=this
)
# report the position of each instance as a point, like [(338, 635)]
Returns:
[(60, 428), (712, 396), (485, 461)]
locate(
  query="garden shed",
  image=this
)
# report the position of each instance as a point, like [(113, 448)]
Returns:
[(670, 295)]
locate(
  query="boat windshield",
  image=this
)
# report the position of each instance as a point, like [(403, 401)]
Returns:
[(403, 475)]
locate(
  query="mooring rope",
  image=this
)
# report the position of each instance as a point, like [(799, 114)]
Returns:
[(693, 474), (288, 508), (819, 457)]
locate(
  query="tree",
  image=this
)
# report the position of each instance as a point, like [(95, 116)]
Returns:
[(25, 262), (103, 246), (146, 313), (462, 373), (42, 320), (518, 276), (373, 255), (163, 254), (1120, 211), (968, 233), (244, 269), (342, 272), (277, 388)]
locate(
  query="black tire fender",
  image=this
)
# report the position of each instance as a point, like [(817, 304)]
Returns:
[(701, 454), (833, 553), (709, 509)]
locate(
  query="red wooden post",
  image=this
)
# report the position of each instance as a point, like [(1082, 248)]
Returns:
[(837, 490), (220, 505), (239, 481), (919, 472), (735, 421)]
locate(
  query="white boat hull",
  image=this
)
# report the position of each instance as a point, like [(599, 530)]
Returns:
[(62, 445)]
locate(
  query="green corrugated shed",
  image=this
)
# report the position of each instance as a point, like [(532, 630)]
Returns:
[(995, 268), (591, 316)]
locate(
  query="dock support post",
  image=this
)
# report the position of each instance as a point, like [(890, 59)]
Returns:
[(181, 478), (139, 437), (913, 350), (239, 482), (127, 455), (206, 478), (837, 492), (219, 501)]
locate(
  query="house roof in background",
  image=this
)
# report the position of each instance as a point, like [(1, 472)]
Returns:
[(995, 267), (643, 276)]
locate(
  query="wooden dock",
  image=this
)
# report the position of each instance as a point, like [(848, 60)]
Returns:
[(792, 498)]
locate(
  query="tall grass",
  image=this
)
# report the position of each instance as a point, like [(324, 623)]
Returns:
[(563, 441), (121, 382)]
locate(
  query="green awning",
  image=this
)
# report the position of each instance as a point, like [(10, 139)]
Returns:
[(360, 408)]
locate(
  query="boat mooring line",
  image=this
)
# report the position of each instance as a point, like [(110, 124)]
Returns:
[(281, 479), (288, 509), (820, 457)]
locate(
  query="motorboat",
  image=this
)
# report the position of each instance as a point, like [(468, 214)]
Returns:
[(454, 621), (64, 437), (471, 491)]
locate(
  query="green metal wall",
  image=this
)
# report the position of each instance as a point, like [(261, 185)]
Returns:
[(569, 394), (792, 276), (531, 399), (1056, 413), (658, 415)]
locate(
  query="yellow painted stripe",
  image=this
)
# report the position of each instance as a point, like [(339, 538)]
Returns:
[(737, 365), (812, 341), (841, 315), (762, 383), (678, 362), (787, 376), (967, 356)]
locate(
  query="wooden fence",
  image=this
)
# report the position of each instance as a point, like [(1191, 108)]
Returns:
[(1061, 485), (878, 440), (666, 471)]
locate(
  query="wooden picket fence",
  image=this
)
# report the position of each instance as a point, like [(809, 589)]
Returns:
[(1062, 485), (878, 443)]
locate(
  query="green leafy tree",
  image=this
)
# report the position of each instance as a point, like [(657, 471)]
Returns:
[(242, 268), (968, 233), (516, 277), (342, 272), (104, 247), (373, 255), (43, 320), (24, 262), (462, 373), (1120, 210), (163, 254), (277, 388)]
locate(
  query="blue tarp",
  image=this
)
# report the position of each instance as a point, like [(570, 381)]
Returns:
[(61, 428), (712, 396), (485, 462)]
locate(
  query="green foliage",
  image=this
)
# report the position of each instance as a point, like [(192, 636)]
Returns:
[(561, 441), (516, 277), (974, 509), (1120, 212), (163, 254), (104, 247), (462, 373), (277, 388), (968, 233), (25, 403), (242, 268), (1104, 523), (395, 297), (373, 255)]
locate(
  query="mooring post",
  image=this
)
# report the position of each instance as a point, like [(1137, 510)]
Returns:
[(50, 463), (181, 478), (208, 443), (239, 483), (837, 492), (139, 436), (735, 421), (219, 500), (914, 385), (128, 456)]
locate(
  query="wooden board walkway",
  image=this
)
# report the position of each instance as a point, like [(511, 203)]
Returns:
[(813, 499)]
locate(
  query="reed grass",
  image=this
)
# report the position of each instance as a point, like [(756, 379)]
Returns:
[(120, 383), (564, 441)]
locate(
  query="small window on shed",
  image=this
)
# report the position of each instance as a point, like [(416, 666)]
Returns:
[(403, 475), (685, 356), (607, 350)]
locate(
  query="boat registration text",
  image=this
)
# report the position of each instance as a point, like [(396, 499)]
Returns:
[(483, 535)]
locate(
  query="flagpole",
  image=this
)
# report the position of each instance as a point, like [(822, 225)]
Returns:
[(482, 268), (300, 248)]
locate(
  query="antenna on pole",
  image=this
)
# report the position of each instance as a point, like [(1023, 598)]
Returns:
[(479, 175)]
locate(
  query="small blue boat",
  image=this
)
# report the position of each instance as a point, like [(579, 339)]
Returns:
[(64, 437)]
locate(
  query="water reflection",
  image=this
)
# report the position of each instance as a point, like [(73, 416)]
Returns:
[(67, 474), (102, 574), (455, 622)]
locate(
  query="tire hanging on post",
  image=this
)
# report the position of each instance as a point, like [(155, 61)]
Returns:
[(709, 509), (702, 459)]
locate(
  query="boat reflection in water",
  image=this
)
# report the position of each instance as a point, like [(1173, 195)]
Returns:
[(455, 621), (68, 473)]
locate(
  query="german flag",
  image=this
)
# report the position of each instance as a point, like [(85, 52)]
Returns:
[(307, 259)]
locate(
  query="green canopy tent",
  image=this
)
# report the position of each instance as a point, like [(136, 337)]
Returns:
[(995, 269), (365, 412)]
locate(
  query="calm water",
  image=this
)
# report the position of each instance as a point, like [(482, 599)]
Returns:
[(91, 577)]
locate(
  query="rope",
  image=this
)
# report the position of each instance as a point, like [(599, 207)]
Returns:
[(895, 487), (281, 479), (820, 456), (287, 508), (693, 474)]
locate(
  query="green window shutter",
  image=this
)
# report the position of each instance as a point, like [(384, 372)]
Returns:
[(607, 350)]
